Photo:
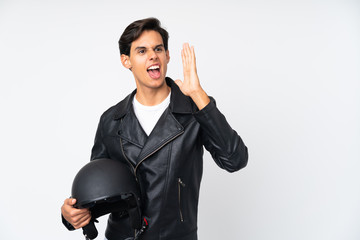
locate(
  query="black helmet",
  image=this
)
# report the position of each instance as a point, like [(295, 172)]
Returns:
[(107, 186)]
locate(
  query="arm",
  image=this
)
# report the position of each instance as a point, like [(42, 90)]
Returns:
[(224, 144), (74, 218)]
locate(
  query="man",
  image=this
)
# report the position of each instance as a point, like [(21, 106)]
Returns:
[(160, 130)]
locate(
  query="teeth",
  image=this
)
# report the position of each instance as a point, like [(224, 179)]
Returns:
[(153, 67)]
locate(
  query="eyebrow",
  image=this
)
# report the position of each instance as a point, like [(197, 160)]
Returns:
[(141, 47)]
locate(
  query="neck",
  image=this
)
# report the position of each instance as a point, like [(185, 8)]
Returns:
[(150, 96)]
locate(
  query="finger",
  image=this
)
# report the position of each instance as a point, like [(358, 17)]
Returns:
[(179, 82), (86, 221), (193, 53), (190, 56), (69, 211), (186, 47), (183, 58), (82, 221), (187, 53), (186, 58), (193, 58), (75, 212), (70, 201), (78, 219)]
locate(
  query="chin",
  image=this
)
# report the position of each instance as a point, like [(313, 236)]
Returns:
[(157, 83)]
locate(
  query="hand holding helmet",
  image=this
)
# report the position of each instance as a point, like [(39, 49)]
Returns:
[(104, 186), (78, 218)]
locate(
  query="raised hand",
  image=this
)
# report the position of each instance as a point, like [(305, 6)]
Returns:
[(190, 86)]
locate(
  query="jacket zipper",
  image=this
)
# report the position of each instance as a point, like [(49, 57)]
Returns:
[(136, 167), (180, 185)]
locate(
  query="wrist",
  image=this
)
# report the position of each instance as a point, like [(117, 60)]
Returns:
[(200, 98)]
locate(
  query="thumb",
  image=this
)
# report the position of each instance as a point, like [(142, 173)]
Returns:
[(179, 82), (71, 201)]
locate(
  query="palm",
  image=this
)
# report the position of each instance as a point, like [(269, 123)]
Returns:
[(191, 82)]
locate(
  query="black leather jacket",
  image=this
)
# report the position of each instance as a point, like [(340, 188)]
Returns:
[(169, 162)]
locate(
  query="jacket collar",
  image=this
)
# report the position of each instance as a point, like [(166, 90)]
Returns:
[(179, 103)]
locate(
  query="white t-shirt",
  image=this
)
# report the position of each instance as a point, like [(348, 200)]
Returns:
[(148, 116)]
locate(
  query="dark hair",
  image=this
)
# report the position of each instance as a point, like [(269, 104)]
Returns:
[(135, 29)]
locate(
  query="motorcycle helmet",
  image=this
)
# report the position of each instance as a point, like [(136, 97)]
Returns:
[(107, 186)]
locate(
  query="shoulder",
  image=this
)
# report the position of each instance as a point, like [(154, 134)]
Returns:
[(118, 110)]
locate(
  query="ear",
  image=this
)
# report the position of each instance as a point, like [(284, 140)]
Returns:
[(125, 60), (167, 56)]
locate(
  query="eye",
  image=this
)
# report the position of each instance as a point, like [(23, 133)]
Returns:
[(141, 51), (158, 49)]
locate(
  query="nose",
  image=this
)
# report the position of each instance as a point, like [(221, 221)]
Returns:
[(152, 54)]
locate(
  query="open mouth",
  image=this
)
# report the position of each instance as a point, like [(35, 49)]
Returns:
[(154, 71)]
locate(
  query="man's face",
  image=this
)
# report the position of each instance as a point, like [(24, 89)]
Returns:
[(148, 60)]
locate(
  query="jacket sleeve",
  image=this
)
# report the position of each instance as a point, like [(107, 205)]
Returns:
[(224, 144), (99, 148), (67, 224)]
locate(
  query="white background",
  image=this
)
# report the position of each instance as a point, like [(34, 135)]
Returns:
[(285, 73)]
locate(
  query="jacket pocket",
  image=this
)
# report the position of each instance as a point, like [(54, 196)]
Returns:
[(181, 185)]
